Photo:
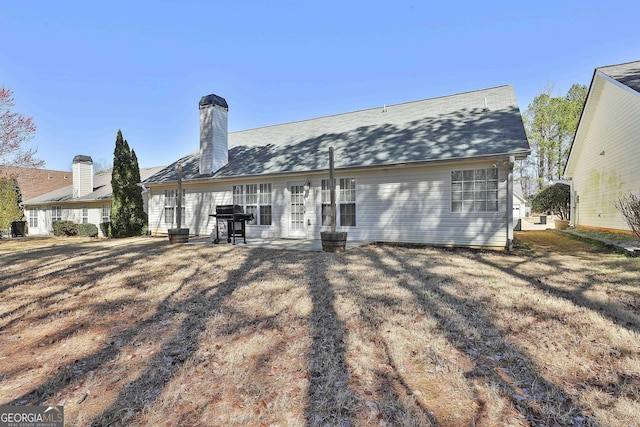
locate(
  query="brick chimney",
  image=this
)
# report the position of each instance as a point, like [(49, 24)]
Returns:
[(214, 144), (82, 176)]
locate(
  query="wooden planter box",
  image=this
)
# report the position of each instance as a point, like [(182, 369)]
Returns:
[(178, 235), (333, 242)]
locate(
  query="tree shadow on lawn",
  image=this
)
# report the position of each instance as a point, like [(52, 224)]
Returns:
[(175, 350), (77, 277), (552, 282), (472, 332)]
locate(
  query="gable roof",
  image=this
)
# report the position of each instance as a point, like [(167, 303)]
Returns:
[(34, 182), (101, 189), (625, 76), (628, 74), (473, 124)]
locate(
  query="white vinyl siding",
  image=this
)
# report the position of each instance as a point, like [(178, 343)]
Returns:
[(410, 205), (604, 161)]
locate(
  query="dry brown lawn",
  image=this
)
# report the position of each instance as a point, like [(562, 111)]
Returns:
[(138, 332)]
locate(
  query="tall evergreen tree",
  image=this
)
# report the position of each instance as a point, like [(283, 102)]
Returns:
[(10, 198), (127, 212)]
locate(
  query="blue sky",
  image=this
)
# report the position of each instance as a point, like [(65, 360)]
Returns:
[(83, 69)]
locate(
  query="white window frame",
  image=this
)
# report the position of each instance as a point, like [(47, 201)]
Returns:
[(474, 190), (33, 217), (106, 213), (85, 214), (170, 204), (256, 198), (346, 200), (56, 213)]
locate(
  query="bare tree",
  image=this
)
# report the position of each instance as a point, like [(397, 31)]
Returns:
[(16, 131)]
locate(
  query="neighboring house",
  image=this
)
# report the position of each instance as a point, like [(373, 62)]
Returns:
[(604, 161), (520, 209), (436, 171), (87, 200), (34, 182)]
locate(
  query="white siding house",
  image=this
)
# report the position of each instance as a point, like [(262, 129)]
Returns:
[(87, 200), (436, 171), (603, 164)]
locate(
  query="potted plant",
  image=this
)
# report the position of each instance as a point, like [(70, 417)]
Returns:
[(179, 234), (333, 241)]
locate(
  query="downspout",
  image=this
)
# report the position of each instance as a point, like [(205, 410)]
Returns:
[(512, 161)]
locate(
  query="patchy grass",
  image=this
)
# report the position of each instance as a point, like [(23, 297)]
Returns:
[(140, 332)]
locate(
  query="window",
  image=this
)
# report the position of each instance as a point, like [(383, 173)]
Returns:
[(106, 213), (255, 199), (170, 204), (85, 215), (33, 217), (474, 190), (345, 202), (56, 213)]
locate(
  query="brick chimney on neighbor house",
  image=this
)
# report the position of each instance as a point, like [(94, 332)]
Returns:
[(82, 176), (214, 144)]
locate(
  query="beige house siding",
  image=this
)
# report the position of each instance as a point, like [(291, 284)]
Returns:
[(70, 212), (397, 204), (604, 161)]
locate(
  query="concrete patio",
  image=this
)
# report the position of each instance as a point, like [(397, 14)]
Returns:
[(278, 243)]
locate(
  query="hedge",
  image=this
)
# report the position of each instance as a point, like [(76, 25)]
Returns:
[(88, 230), (65, 228)]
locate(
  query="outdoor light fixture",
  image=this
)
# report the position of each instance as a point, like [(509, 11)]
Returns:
[(602, 153)]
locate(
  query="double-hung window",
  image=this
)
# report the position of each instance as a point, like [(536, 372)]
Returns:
[(106, 213), (56, 213), (345, 202), (170, 205), (33, 217), (474, 190), (255, 199)]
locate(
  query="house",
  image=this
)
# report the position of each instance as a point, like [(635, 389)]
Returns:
[(605, 154), (86, 200), (520, 208), (436, 171), (34, 182)]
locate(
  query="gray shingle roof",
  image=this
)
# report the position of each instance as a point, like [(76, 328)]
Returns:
[(451, 127), (101, 189), (628, 74)]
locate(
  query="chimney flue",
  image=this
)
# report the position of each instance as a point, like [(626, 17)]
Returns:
[(82, 176), (214, 145)]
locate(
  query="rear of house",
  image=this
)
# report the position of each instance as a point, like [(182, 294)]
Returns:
[(86, 201), (604, 158), (435, 171)]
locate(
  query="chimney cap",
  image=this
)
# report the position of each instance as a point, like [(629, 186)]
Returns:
[(213, 100), (82, 159)]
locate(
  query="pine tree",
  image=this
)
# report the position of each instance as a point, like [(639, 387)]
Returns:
[(127, 213)]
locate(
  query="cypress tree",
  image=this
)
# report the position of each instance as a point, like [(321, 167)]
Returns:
[(127, 213), (10, 198)]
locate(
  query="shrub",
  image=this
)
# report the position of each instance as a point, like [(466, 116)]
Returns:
[(629, 207), (65, 228), (105, 227), (554, 198), (88, 230)]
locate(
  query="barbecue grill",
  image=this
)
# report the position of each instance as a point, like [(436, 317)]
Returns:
[(236, 222)]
